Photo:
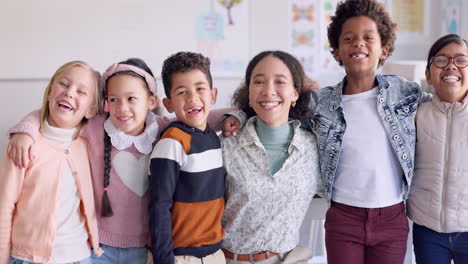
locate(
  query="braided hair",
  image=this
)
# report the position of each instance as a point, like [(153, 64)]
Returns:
[(106, 206), (106, 210)]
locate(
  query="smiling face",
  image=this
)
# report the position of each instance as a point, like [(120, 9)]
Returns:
[(360, 46), (191, 98), (271, 91), (72, 97), (450, 82), (129, 102)]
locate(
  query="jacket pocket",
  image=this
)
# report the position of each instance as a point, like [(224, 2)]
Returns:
[(405, 112), (407, 106)]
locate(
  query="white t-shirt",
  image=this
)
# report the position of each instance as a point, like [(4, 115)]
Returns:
[(368, 174)]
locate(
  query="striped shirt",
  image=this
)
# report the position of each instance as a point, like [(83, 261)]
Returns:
[(186, 193)]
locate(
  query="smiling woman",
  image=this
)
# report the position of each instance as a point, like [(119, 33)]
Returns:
[(271, 93), (271, 164)]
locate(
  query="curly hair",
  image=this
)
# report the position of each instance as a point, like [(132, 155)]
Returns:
[(184, 62), (369, 8), (302, 84)]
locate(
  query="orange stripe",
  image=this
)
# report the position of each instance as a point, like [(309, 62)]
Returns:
[(197, 224), (179, 135)]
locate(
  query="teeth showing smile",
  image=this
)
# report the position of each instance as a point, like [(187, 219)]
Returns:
[(65, 105), (359, 56), (125, 118), (194, 110), (270, 104), (451, 78)]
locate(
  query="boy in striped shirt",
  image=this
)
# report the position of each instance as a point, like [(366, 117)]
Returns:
[(187, 175)]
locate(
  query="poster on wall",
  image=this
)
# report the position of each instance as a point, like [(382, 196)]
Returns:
[(327, 61), (308, 21), (222, 34), (412, 18), (451, 16)]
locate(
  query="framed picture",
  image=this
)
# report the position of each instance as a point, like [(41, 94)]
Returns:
[(412, 18)]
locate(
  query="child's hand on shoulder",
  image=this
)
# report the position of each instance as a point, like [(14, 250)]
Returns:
[(20, 150), (231, 126)]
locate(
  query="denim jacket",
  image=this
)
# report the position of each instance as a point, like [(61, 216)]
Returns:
[(397, 102)]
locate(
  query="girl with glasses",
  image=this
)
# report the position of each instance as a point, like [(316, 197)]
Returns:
[(438, 200)]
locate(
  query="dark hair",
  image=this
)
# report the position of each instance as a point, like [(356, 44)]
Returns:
[(240, 98), (184, 62), (442, 42), (137, 63), (369, 8), (106, 209)]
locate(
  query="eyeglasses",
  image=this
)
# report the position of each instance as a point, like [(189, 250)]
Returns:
[(441, 61)]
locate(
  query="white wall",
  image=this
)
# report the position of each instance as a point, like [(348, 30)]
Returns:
[(24, 76), (464, 19), (22, 94)]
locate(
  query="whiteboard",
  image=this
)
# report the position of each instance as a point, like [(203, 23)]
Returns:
[(39, 36)]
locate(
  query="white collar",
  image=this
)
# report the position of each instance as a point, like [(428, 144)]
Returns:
[(143, 142)]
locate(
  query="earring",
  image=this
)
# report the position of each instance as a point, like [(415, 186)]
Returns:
[(293, 103), (250, 104)]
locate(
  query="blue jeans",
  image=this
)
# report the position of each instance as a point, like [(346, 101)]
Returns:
[(115, 255), (17, 261), (431, 247)]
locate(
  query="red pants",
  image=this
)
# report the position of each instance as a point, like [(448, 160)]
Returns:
[(356, 235)]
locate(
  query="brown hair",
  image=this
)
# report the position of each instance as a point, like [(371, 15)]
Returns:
[(184, 62), (302, 84)]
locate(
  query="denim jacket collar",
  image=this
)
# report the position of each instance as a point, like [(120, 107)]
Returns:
[(337, 92)]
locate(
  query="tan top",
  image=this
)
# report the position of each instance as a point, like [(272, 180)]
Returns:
[(438, 197)]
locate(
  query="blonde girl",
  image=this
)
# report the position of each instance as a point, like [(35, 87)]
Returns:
[(47, 212)]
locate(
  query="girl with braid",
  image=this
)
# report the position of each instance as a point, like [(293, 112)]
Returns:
[(120, 157)]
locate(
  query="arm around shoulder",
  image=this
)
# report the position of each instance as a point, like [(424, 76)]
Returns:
[(29, 125)]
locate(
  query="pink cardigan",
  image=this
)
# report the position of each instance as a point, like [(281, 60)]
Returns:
[(29, 200)]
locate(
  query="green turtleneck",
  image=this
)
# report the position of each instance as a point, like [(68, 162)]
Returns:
[(276, 141)]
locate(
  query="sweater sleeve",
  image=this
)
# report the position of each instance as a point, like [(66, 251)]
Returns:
[(239, 114), (166, 158), (93, 125), (215, 118), (28, 125), (163, 122), (11, 180)]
